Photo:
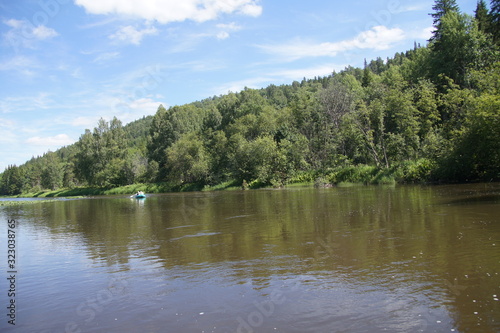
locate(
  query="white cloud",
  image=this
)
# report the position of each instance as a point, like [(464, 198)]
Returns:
[(425, 33), (125, 110), (58, 140), (42, 32), (103, 57), (84, 121), (129, 34), (236, 86), (229, 26), (277, 77), (412, 8), (22, 64), (6, 123), (223, 35), (26, 103), (377, 38), (132, 110), (310, 72), (226, 28), (24, 34), (165, 11)]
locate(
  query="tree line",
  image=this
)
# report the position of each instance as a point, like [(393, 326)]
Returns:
[(429, 114)]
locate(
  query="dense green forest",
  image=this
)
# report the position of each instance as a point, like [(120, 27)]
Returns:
[(431, 114)]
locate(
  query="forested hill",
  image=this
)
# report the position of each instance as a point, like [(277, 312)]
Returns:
[(428, 114)]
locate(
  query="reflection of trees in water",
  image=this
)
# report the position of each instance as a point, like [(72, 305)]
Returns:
[(426, 239)]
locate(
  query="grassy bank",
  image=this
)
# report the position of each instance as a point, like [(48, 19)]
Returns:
[(25, 202), (408, 172)]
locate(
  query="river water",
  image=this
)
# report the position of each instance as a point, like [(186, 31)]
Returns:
[(349, 259)]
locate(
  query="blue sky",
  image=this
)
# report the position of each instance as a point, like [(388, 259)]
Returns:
[(66, 63)]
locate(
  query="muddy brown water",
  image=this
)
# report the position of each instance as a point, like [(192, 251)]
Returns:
[(348, 259)]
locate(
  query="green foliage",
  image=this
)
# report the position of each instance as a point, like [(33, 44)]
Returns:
[(482, 17), (442, 8), (12, 180), (495, 20), (187, 160), (100, 154), (476, 149), (428, 114), (418, 171), (52, 172)]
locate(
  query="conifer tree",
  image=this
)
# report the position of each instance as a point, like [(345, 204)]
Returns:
[(482, 16), (495, 20), (441, 8)]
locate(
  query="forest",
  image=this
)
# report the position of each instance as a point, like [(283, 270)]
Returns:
[(430, 114)]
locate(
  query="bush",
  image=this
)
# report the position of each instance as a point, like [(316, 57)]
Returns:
[(417, 171), (354, 174)]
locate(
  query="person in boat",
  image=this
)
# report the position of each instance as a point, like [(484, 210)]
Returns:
[(139, 193)]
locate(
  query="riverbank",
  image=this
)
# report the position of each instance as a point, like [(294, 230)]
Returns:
[(416, 172), (25, 202)]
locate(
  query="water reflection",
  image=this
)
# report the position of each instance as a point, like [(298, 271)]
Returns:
[(361, 259)]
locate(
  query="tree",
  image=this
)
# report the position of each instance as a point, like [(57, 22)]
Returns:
[(85, 168), (425, 100), (441, 8), (337, 101), (160, 136), (476, 150), (187, 160), (482, 17), (12, 180), (168, 126), (495, 20), (258, 159), (459, 48), (96, 150), (52, 172)]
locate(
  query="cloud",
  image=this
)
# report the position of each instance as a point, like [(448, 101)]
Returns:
[(236, 86), (129, 111), (124, 109), (24, 34), (278, 76), (412, 8), (84, 121), (26, 103), (129, 34), (425, 33), (103, 57), (166, 11), (223, 35), (377, 38), (226, 28), (42, 32), (309, 72), (6, 123), (22, 64), (229, 26), (58, 140)]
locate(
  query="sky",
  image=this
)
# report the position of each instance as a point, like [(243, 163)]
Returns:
[(66, 63)]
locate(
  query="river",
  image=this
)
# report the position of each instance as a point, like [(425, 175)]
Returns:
[(346, 259)]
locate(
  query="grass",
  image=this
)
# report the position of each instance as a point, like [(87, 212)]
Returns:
[(25, 202), (300, 185), (406, 172), (230, 185)]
